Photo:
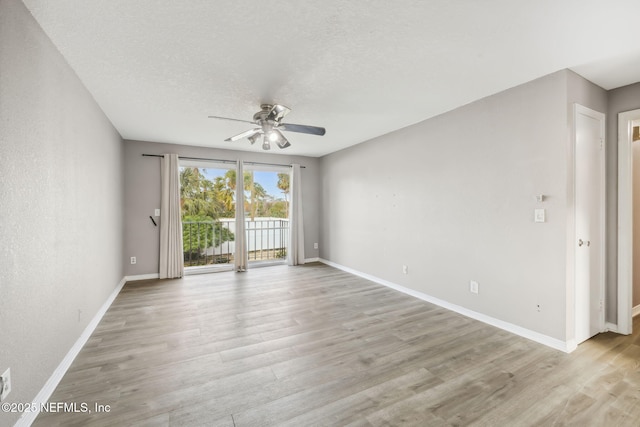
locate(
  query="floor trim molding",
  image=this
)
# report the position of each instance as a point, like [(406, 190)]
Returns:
[(636, 311), (141, 277), (566, 347), (43, 396), (610, 327)]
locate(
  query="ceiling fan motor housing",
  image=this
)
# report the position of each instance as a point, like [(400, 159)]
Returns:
[(263, 113)]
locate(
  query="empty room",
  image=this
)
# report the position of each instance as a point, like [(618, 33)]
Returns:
[(244, 213)]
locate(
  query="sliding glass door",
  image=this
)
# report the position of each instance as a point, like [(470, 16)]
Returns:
[(208, 201)]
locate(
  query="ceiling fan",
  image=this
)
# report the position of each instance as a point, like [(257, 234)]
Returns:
[(270, 127)]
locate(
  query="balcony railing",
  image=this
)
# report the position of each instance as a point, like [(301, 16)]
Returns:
[(213, 242)]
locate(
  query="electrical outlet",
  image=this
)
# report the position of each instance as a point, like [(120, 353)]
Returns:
[(405, 269), (5, 384), (133, 260), (157, 212), (473, 287), (315, 246)]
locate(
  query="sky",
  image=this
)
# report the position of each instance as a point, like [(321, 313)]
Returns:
[(268, 180)]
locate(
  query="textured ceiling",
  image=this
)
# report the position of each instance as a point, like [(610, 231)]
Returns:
[(361, 69)]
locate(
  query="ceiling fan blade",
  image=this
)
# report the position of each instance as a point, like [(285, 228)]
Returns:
[(312, 130), (278, 112), (246, 134), (235, 120)]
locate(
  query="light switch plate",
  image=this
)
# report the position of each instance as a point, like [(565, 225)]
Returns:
[(539, 215), (157, 213), (473, 287)]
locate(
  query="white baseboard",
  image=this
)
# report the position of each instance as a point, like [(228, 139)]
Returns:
[(43, 396), (308, 260), (636, 311), (142, 277), (610, 327), (554, 343)]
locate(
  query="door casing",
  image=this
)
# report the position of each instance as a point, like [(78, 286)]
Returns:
[(625, 220)]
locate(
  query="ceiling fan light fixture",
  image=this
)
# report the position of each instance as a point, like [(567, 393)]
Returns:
[(284, 144), (254, 138), (266, 145), (280, 139)]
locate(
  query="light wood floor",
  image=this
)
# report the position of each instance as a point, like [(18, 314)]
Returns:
[(311, 345)]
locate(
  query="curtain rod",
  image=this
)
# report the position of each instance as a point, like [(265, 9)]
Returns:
[(222, 160)]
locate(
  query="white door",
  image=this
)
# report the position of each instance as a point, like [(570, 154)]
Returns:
[(589, 220)]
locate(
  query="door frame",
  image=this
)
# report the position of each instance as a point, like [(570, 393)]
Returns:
[(625, 220), (580, 109)]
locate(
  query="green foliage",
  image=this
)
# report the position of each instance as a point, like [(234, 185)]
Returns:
[(205, 200), (198, 195), (278, 209), (283, 183), (200, 232), (256, 197)]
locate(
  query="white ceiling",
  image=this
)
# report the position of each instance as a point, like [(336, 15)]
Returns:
[(361, 69)]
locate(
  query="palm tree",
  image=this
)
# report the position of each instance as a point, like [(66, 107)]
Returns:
[(258, 195), (225, 195), (283, 185), (230, 179), (190, 203), (198, 195)]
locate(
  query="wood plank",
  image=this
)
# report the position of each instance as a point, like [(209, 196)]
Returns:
[(312, 345)]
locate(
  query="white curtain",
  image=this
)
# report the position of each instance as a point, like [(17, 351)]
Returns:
[(296, 235), (171, 258), (241, 260)]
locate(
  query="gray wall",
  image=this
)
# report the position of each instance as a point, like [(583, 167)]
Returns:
[(620, 100), (453, 198), (61, 205), (142, 196)]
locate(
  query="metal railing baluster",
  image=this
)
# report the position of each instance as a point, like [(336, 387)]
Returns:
[(269, 242)]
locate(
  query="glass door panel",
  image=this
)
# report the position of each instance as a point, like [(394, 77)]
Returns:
[(207, 203)]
